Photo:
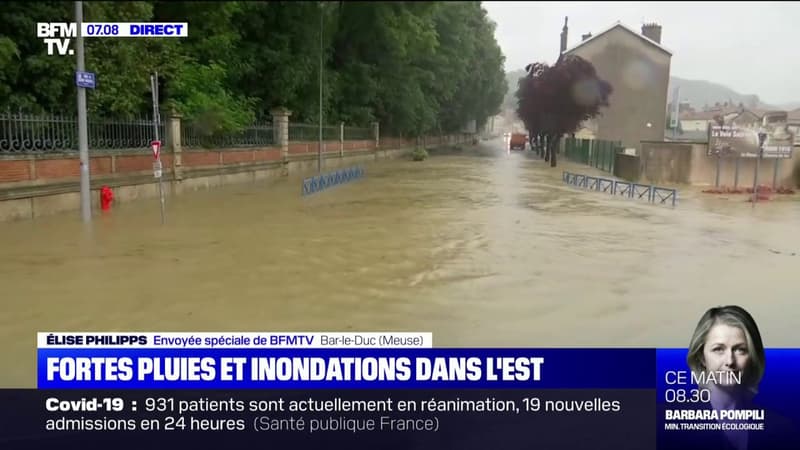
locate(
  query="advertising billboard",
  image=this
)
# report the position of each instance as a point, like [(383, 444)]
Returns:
[(731, 141)]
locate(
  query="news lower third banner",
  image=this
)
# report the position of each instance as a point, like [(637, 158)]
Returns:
[(394, 391)]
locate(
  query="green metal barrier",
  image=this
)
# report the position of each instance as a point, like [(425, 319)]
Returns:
[(592, 152)]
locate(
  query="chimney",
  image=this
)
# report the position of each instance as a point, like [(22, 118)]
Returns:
[(564, 36), (652, 31), (586, 36)]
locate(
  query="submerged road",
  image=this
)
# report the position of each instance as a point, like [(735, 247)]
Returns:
[(484, 248)]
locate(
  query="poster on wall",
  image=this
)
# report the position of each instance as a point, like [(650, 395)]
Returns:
[(730, 141)]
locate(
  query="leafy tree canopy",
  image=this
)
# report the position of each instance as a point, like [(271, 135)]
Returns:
[(415, 67), (555, 100)]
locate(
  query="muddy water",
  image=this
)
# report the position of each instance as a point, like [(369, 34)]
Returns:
[(480, 249)]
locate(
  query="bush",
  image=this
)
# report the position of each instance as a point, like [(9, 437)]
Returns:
[(419, 154), (199, 94)]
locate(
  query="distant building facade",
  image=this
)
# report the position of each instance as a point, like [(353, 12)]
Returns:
[(638, 67)]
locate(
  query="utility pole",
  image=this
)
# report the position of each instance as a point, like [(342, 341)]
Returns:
[(83, 133), (762, 136), (156, 122), (319, 150), (675, 120)]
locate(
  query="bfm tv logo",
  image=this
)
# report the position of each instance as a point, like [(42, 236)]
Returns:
[(57, 35), (48, 31)]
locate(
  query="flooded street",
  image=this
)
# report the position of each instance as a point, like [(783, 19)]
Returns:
[(484, 249)]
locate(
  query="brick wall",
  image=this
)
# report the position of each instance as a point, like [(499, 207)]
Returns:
[(237, 157), (101, 165), (135, 163), (300, 147), (267, 155), (359, 145), (200, 158), (25, 168), (58, 168), (398, 143), (11, 171)]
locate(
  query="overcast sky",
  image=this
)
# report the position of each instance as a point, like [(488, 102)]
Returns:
[(749, 47)]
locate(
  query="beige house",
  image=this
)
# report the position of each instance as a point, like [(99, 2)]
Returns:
[(637, 66), (587, 130), (585, 133), (745, 118), (699, 120)]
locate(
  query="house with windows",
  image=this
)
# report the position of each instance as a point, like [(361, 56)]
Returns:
[(637, 65)]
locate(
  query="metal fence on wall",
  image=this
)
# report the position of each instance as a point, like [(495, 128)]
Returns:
[(357, 134), (259, 134), (592, 152), (35, 134), (22, 133), (309, 132)]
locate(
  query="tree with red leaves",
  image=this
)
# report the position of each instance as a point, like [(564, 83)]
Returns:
[(555, 100)]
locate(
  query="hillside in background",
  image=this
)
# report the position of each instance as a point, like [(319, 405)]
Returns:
[(700, 93), (697, 92)]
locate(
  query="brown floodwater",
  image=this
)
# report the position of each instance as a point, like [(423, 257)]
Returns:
[(483, 248)]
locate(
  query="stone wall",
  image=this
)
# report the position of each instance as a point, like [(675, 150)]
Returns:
[(689, 163)]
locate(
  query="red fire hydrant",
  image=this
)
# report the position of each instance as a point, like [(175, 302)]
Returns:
[(106, 197)]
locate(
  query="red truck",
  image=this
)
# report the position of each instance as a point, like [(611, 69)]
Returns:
[(518, 141)]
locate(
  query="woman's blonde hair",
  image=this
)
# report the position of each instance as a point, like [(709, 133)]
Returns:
[(734, 316)]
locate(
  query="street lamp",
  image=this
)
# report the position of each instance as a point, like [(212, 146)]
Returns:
[(319, 149), (83, 133)]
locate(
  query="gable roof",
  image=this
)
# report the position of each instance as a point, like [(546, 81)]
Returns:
[(745, 112), (733, 112), (626, 28)]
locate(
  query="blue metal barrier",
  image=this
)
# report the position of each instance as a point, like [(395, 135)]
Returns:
[(623, 188), (664, 195), (607, 187), (328, 180), (653, 194), (640, 190)]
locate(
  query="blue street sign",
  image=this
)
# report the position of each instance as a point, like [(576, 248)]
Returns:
[(84, 79)]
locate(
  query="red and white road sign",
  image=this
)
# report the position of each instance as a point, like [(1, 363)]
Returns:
[(156, 146)]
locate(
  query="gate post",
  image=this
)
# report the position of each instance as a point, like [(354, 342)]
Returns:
[(173, 138), (376, 135), (280, 130)]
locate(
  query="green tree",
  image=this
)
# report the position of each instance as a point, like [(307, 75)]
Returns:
[(199, 72), (416, 67), (199, 92), (378, 52), (280, 55), (124, 66), (31, 80), (469, 66)]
